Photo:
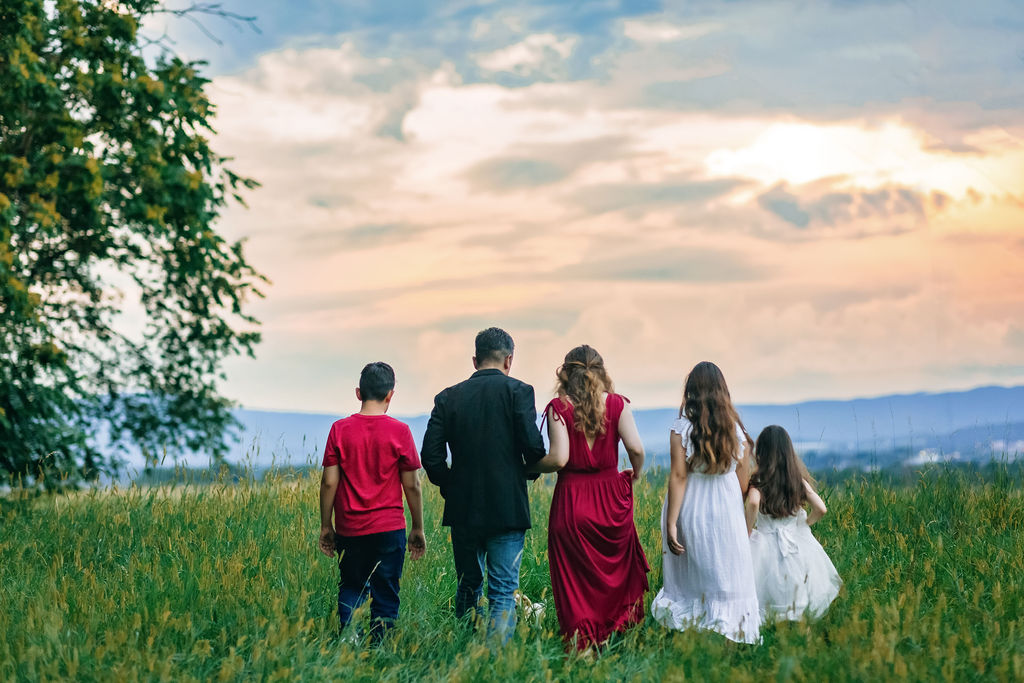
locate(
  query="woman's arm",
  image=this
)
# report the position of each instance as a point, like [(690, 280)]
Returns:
[(745, 467), (558, 446), (818, 508), (676, 491), (751, 507), (630, 436)]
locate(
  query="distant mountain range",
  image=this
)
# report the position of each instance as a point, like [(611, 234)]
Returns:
[(913, 428), (969, 425)]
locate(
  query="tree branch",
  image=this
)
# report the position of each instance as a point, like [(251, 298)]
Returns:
[(213, 9)]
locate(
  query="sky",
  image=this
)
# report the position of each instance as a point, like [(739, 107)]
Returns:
[(823, 198)]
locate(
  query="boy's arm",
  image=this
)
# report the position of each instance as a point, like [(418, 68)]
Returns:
[(414, 497), (328, 490)]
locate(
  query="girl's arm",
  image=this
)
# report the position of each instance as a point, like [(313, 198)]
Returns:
[(676, 491), (630, 436), (558, 446), (745, 466), (751, 507), (818, 508)]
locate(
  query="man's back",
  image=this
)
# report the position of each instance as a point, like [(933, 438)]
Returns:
[(489, 422)]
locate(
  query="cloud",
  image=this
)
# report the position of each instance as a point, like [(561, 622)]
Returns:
[(833, 208), (411, 196), (641, 197), (357, 237), (356, 95), (329, 200), (503, 175), (870, 156), (538, 56), (643, 31), (1015, 337), (559, 319), (675, 265), (786, 206)]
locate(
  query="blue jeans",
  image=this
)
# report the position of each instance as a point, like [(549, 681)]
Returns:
[(370, 565), (501, 554)]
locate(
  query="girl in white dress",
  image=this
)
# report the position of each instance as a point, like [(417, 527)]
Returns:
[(708, 570), (794, 574)]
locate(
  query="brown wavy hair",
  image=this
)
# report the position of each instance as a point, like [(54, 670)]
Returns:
[(780, 473), (713, 419), (583, 379)]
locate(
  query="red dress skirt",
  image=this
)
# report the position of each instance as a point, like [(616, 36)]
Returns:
[(598, 568)]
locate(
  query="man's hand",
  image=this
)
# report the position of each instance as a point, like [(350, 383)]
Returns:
[(327, 541), (673, 542), (417, 544)]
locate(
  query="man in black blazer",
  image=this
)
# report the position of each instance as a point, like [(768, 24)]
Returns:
[(489, 423)]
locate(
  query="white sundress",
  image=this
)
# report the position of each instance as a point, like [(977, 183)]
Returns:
[(795, 576), (711, 585)]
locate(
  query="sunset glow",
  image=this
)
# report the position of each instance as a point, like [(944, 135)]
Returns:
[(823, 208)]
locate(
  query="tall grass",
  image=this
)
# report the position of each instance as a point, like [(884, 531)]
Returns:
[(223, 582)]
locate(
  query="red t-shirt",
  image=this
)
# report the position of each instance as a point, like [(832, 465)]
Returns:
[(372, 451)]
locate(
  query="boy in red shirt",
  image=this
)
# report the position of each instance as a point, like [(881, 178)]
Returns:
[(369, 460)]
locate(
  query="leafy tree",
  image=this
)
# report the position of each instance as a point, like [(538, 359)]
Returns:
[(118, 299)]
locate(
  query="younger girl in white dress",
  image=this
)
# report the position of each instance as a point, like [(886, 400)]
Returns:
[(794, 575), (707, 566)]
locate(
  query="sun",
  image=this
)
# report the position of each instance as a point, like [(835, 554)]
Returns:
[(864, 156)]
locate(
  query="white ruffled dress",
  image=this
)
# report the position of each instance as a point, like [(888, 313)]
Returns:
[(794, 574), (711, 585)]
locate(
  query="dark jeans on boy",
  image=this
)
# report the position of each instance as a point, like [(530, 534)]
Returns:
[(499, 553), (370, 565)]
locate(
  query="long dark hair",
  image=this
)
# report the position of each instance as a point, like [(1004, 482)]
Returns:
[(713, 419), (583, 379), (780, 473)]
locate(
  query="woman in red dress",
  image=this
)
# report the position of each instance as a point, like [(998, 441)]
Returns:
[(598, 569)]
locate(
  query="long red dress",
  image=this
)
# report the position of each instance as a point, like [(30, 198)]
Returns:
[(598, 569)]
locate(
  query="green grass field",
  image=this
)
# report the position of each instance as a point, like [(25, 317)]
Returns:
[(223, 581)]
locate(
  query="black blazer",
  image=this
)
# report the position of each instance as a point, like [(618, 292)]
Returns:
[(489, 422)]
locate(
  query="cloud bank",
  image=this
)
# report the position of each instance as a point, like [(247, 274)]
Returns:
[(823, 199)]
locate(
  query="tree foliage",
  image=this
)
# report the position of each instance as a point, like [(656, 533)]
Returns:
[(118, 299)]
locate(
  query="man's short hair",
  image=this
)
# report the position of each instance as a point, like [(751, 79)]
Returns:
[(376, 380), (493, 344)]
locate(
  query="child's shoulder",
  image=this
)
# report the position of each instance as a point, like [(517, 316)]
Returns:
[(360, 422), (343, 422), (681, 426), (394, 427), (395, 423)]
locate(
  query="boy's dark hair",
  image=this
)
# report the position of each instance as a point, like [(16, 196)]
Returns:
[(376, 380), (493, 344)]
